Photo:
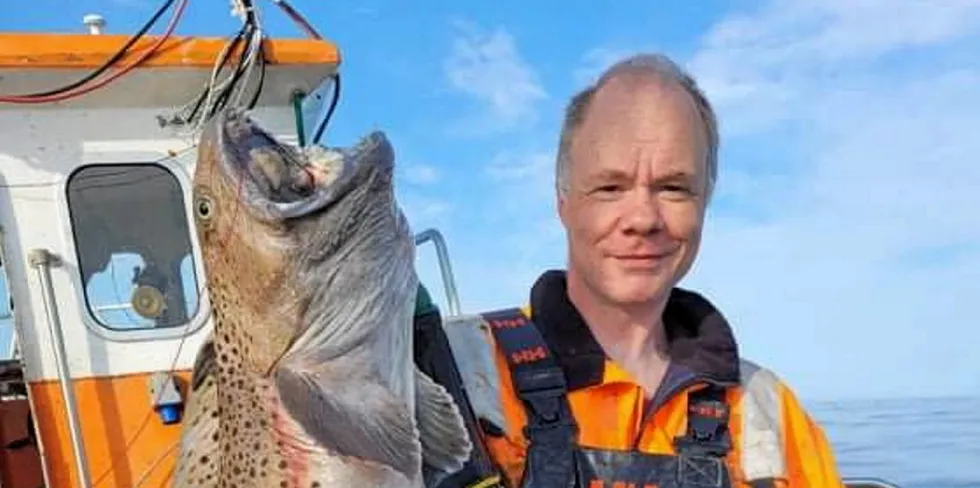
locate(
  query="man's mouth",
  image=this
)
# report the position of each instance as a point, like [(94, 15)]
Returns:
[(648, 255), (643, 259)]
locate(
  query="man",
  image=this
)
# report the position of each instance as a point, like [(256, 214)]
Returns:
[(614, 377)]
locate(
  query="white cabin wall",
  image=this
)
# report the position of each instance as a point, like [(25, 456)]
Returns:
[(38, 150)]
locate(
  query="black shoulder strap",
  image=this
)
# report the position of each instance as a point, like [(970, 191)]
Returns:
[(707, 423), (434, 357), (540, 384), (707, 440)]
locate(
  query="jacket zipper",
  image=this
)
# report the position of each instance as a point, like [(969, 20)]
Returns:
[(676, 380)]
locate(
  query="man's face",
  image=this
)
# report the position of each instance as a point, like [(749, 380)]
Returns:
[(636, 191)]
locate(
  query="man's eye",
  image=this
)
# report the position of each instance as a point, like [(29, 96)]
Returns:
[(607, 191), (608, 188), (677, 191)]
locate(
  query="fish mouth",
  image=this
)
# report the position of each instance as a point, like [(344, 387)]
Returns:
[(282, 182)]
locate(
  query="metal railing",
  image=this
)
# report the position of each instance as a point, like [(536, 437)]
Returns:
[(868, 483), (42, 260), (442, 253)]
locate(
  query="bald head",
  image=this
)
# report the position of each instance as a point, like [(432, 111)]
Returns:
[(635, 73)]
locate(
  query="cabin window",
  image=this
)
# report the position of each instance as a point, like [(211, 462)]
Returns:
[(133, 246)]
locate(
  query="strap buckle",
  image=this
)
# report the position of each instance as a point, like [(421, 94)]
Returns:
[(542, 382), (543, 390), (707, 430)]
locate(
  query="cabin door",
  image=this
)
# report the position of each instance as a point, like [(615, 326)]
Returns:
[(20, 456)]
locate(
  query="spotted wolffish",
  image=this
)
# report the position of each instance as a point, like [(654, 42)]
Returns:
[(308, 378)]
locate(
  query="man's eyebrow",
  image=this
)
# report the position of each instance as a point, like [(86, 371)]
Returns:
[(678, 175), (608, 175)]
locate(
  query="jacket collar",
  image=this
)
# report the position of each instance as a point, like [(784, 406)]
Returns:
[(699, 338)]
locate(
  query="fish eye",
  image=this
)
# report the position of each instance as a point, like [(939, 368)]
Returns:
[(204, 207)]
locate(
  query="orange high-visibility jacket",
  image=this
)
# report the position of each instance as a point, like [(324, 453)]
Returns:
[(773, 437)]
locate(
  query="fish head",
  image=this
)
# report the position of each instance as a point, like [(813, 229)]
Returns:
[(263, 208)]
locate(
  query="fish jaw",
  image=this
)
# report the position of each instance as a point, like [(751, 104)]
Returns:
[(277, 182)]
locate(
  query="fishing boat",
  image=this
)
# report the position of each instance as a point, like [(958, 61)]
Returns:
[(102, 271)]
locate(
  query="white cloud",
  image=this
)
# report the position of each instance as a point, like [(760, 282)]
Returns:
[(367, 10), (421, 174), (528, 204), (758, 67), (870, 262), (511, 232), (425, 211), (524, 195), (798, 32), (488, 67), (531, 165)]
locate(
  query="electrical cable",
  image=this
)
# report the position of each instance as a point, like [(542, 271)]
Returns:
[(333, 106), (105, 81), (217, 95), (298, 18), (222, 60), (258, 90), (111, 61)]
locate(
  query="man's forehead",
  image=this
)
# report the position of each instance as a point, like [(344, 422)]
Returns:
[(635, 99), (629, 91), (633, 113)]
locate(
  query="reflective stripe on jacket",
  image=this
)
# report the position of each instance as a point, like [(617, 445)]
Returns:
[(775, 442)]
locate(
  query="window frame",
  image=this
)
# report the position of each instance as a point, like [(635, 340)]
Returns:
[(177, 164)]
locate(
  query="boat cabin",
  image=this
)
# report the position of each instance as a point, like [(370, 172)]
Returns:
[(102, 292)]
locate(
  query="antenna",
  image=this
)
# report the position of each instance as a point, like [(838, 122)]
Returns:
[(95, 24)]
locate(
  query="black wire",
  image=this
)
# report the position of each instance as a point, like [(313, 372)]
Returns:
[(333, 106), (221, 64), (247, 33), (112, 61), (258, 89), (249, 12), (225, 95)]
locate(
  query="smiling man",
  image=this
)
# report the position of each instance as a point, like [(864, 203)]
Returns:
[(614, 376)]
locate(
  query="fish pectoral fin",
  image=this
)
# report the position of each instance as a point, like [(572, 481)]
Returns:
[(446, 444), (351, 415)]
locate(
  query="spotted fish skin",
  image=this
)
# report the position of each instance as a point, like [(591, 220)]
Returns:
[(308, 378)]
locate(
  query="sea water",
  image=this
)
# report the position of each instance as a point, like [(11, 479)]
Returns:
[(915, 443)]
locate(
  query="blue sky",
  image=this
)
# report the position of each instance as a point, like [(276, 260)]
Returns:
[(843, 244)]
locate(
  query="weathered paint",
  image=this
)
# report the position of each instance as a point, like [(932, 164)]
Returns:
[(51, 50), (124, 437)]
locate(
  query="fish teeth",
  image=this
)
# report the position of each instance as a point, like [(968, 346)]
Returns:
[(325, 162)]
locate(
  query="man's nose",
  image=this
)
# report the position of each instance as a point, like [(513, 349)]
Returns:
[(643, 212)]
